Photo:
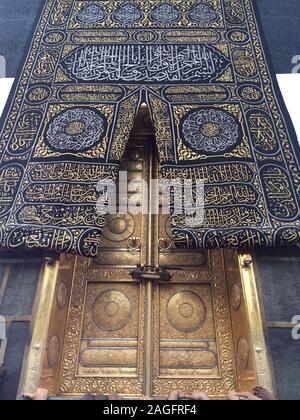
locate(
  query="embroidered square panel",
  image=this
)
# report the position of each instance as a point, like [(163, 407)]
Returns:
[(201, 67)]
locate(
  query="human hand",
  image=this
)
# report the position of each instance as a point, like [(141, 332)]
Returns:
[(242, 396), (198, 396), (40, 394), (175, 395), (263, 393)]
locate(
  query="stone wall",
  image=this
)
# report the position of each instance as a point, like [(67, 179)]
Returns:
[(18, 284), (278, 275)]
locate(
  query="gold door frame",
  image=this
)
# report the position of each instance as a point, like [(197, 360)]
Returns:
[(46, 295), (255, 319)]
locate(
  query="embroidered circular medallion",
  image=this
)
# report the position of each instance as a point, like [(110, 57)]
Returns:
[(237, 36), (54, 37), (203, 14), (165, 13), (250, 93), (145, 36), (210, 130), (128, 14), (91, 14), (38, 94), (75, 130)]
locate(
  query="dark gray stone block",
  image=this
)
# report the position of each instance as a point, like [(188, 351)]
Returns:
[(17, 340), (20, 290), (286, 360), (280, 282)]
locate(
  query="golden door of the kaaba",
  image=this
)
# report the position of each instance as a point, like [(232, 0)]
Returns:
[(111, 333)]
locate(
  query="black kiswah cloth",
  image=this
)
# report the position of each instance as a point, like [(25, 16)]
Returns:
[(218, 114)]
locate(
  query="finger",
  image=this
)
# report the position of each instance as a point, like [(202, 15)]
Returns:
[(174, 395)]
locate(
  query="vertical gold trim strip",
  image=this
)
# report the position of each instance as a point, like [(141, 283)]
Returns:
[(149, 288), (40, 326), (148, 340), (260, 353)]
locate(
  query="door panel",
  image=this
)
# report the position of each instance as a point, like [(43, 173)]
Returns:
[(192, 318), (184, 311), (110, 330), (104, 339)]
